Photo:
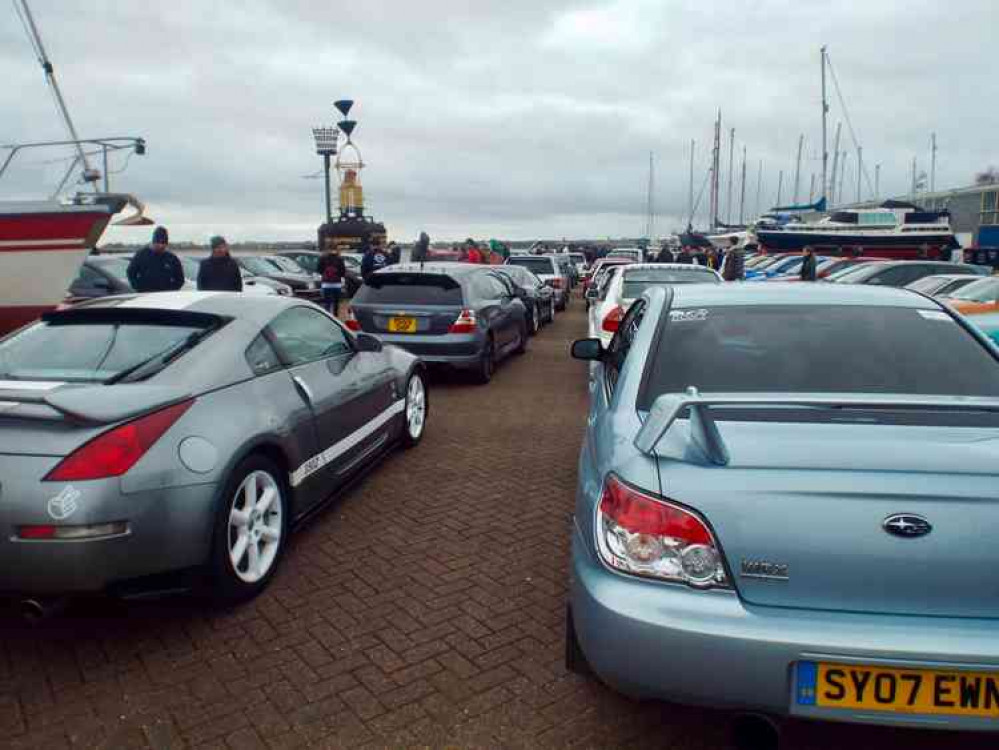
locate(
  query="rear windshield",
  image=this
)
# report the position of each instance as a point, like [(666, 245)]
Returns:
[(982, 290), (409, 289), (813, 348), (636, 282), (537, 265), (90, 352)]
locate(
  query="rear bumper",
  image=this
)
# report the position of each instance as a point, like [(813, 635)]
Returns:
[(459, 350), (709, 648), (168, 530)]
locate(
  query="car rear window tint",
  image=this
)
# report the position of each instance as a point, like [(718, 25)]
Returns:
[(536, 265), (815, 348), (410, 289), (636, 282)]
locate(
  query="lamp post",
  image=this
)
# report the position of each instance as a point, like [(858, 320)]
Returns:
[(326, 142)]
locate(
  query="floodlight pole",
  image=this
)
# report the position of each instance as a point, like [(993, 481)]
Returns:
[(326, 174)]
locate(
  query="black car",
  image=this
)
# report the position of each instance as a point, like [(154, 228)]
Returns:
[(456, 314), (302, 284), (309, 260), (900, 273), (100, 276), (538, 297)]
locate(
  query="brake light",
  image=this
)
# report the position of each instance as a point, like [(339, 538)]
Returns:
[(556, 283), (613, 319), (351, 321), (650, 537), (114, 452), (464, 323)]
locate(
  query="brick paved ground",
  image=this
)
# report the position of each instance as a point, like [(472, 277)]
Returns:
[(423, 610)]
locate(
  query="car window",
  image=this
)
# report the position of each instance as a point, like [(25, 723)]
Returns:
[(410, 289), (305, 335), (637, 281), (982, 290), (537, 265), (897, 275), (261, 357), (485, 286), (87, 277), (620, 345), (503, 283), (820, 348)]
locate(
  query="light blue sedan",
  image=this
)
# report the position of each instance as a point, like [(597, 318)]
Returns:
[(788, 502)]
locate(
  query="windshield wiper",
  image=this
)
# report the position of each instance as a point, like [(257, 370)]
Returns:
[(161, 360)]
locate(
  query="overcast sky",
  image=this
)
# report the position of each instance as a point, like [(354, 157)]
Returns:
[(514, 119)]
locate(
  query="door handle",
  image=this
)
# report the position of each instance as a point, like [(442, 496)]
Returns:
[(303, 389)]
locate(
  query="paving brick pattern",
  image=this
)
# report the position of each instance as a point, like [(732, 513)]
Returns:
[(424, 609)]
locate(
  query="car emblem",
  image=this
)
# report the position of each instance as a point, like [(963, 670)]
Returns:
[(906, 525), (63, 505)]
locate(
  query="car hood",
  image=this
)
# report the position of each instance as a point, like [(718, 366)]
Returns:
[(813, 500)]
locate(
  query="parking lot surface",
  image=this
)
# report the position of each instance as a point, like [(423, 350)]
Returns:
[(423, 609)]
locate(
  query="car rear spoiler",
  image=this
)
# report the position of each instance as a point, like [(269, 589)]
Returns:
[(705, 435), (110, 404)]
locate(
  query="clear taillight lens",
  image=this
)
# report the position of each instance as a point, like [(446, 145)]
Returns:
[(351, 321), (464, 323), (647, 536), (613, 319)]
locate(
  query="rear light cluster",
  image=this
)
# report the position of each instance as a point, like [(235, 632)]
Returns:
[(116, 451), (649, 537), (87, 531), (464, 323), (555, 283), (351, 321), (613, 319)]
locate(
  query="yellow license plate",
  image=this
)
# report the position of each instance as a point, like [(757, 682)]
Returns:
[(402, 325), (911, 691)]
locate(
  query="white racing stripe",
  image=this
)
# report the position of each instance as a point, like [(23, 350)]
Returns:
[(29, 385), (169, 300), (336, 450)]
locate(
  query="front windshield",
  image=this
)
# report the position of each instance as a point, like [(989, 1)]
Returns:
[(86, 352), (983, 290), (259, 266)]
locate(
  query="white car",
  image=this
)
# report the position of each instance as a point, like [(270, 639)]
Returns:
[(634, 253), (622, 285)]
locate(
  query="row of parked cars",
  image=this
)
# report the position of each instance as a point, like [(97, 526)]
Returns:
[(783, 492)]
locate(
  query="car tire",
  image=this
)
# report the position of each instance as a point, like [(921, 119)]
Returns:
[(417, 405), (522, 343), (534, 319), (237, 575), (551, 311), (575, 659), (487, 363)]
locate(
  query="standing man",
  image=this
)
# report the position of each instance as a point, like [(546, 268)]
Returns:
[(154, 268), (735, 262), (421, 248), (219, 272), (665, 254), (374, 259), (332, 272), (809, 265)]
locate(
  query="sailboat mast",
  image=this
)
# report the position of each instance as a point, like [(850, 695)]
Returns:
[(742, 197), (825, 113), (731, 170), (797, 168), (89, 175), (780, 185), (759, 185), (649, 207), (933, 162), (715, 163), (690, 188), (832, 182)]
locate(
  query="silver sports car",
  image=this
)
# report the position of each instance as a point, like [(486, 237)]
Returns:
[(146, 436), (786, 503)]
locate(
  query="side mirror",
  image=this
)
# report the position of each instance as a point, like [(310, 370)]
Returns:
[(587, 349), (592, 292), (368, 343)]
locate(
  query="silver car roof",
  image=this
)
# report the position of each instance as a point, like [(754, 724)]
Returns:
[(798, 294)]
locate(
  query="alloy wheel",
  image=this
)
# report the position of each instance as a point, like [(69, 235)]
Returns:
[(255, 526), (416, 407)]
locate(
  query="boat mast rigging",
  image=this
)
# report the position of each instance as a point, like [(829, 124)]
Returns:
[(825, 114)]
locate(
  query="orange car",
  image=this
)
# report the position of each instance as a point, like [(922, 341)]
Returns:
[(977, 297)]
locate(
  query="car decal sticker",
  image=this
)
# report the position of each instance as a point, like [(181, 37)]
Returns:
[(336, 450), (63, 505), (688, 316)]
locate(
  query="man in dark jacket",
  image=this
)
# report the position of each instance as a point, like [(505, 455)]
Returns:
[(333, 274), (665, 255), (154, 268), (809, 271), (219, 272), (735, 262), (375, 258), (421, 248)]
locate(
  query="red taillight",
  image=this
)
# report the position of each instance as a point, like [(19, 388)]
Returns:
[(613, 319), (118, 450), (647, 536), (556, 283), (464, 323), (351, 321), (36, 532)]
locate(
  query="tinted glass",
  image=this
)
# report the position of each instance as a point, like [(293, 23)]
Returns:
[(305, 335), (86, 352), (258, 266), (983, 290), (636, 282), (856, 274), (286, 264), (797, 349), (535, 265), (261, 357), (926, 285), (521, 276), (409, 289), (117, 267)]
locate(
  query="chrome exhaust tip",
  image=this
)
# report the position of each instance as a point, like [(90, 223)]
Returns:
[(755, 732)]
